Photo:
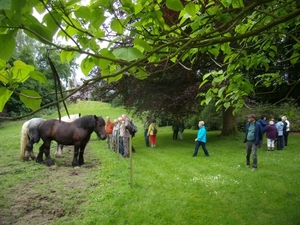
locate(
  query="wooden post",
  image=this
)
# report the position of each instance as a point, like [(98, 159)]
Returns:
[(130, 157)]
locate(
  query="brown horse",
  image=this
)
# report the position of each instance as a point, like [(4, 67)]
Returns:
[(75, 133)]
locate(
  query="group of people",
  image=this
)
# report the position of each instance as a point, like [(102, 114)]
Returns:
[(178, 127), (276, 132), (118, 135)]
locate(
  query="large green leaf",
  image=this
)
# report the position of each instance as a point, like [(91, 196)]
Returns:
[(117, 26), (38, 76), (21, 71), (141, 74), (33, 101), (143, 44), (138, 8), (4, 96), (2, 64), (4, 76), (5, 4), (190, 8), (7, 45), (67, 56), (87, 65), (295, 57), (97, 18), (128, 54), (104, 63), (105, 3), (36, 29), (175, 5), (126, 3), (83, 12), (52, 23)]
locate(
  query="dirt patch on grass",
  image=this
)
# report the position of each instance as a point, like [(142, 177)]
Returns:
[(55, 192)]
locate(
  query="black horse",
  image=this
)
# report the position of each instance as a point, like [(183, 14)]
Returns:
[(75, 133)]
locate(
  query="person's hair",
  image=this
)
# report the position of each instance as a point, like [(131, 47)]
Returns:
[(252, 116), (271, 122), (201, 122), (154, 121)]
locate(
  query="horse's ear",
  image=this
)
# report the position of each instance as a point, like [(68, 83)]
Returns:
[(79, 114), (96, 118)]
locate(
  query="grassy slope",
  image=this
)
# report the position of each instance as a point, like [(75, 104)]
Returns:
[(169, 186)]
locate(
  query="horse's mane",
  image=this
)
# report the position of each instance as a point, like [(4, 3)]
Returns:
[(85, 121)]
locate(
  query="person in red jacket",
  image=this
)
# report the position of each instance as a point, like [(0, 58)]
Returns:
[(109, 126)]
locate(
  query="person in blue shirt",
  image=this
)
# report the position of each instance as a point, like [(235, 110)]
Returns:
[(253, 137), (201, 139), (280, 129)]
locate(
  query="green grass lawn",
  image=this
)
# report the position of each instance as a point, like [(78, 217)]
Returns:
[(168, 185)]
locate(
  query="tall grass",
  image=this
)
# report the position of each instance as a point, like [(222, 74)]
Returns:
[(169, 186)]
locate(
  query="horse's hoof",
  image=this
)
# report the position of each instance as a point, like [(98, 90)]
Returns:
[(49, 162), (38, 161), (75, 165)]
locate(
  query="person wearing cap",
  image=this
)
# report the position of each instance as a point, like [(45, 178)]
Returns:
[(253, 136)]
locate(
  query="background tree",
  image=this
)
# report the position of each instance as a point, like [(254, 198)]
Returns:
[(213, 28)]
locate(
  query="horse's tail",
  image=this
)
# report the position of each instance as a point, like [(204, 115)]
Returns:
[(24, 139)]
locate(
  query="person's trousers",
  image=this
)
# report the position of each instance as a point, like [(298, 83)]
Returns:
[(202, 144), (251, 147), (280, 142), (126, 146), (109, 140), (146, 137), (286, 135)]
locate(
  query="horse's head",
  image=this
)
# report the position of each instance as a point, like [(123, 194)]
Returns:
[(100, 127)]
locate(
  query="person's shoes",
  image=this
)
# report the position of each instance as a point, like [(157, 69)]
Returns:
[(193, 155), (247, 165), (253, 169)]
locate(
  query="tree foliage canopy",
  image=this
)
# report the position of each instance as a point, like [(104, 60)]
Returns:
[(126, 37)]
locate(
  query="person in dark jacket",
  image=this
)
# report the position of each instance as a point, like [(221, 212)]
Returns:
[(252, 139), (263, 122), (271, 133), (175, 128)]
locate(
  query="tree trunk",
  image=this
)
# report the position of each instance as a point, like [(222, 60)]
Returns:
[(229, 127)]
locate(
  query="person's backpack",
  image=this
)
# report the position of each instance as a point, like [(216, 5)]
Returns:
[(132, 128), (154, 130)]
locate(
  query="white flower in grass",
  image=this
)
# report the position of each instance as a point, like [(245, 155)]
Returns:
[(194, 179)]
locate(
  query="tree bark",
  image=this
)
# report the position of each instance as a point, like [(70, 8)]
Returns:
[(229, 127)]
